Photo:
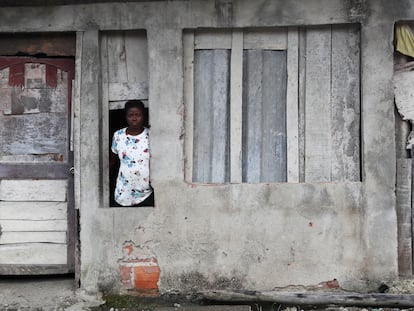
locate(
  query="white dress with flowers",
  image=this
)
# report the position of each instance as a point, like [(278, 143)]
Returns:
[(133, 184)]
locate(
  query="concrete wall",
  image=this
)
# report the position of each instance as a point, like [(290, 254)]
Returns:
[(246, 236)]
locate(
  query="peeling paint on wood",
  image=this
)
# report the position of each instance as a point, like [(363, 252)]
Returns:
[(33, 190)]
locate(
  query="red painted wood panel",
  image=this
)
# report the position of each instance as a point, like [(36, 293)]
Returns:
[(16, 75), (51, 76)]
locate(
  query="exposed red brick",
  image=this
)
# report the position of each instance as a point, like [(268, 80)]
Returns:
[(146, 277), (126, 276)]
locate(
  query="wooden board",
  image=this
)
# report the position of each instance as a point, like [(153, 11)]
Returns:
[(345, 101), (33, 190), (211, 116), (33, 225), (128, 91), (318, 140), (33, 254), (210, 39), (292, 106), (264, 116), (332, 104), (270, 39), (20, 134), (404, 215), (33, 210), (126, 57), (32, 237)]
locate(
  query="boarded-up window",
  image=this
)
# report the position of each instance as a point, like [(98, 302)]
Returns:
[(273, 105)]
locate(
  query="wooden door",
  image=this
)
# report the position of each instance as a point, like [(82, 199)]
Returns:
[(37, 216)]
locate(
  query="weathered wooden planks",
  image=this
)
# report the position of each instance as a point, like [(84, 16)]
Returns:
[(236, 107), (33, 225), (345, 101), (404, 215), (20, 135), (318, 144), (33, 253), (318, 125), (211, 116), (332, 104), (264, 116), (270, 39), (33, 190), (128, 91), (33, 210), (210, 40), (292, 106), (126, 65), (58, 237)]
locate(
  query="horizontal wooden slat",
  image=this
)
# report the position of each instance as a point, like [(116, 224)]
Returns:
[(207, 40), (33, 269), (32, 237), (33, 225), (128, 91), (35, 171), (275, 39), (116, 105), (33, 210), (33, 190), (33, 253)]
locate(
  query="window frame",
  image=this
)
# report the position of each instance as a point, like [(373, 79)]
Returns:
[(236, 40), (114, 96)]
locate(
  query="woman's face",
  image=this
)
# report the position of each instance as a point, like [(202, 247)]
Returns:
[(135, 117)]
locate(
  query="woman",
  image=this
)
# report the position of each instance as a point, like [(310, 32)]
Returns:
[(131, 145)]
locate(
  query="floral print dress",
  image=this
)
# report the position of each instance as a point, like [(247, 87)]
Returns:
[(133, 184)]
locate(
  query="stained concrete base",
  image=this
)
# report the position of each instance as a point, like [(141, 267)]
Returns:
[(51, 293)]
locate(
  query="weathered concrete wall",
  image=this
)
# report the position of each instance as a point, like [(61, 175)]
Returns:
[(250, 236)]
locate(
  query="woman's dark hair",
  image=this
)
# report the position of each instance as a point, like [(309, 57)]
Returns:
[(134, 104)]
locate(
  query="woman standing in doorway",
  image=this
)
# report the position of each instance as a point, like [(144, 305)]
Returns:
[(131, 145)]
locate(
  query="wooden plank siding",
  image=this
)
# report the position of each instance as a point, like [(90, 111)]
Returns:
[(345, 102), (264, 116), (33, 221), (125, 62), (33, 254), (33, 190), (332, 104), (211, 116), (300, 105)]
